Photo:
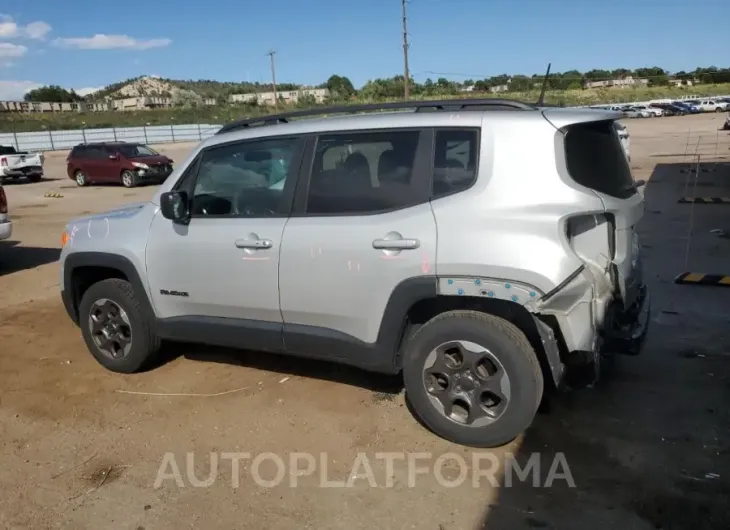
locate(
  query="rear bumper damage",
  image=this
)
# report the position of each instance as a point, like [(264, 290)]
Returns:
[(628, 326), (594, 323)]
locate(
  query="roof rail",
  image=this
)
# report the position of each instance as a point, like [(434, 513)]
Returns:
[(437, 105)]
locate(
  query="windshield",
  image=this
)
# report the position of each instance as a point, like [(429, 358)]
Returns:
[(137, 151)]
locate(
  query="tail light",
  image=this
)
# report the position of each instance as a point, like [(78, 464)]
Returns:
[(3, 201), (4, 162)]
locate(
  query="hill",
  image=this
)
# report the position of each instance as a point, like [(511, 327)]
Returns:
[(158, 86), (378, 92)]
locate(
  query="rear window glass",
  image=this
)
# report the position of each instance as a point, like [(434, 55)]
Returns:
[(596, 159)]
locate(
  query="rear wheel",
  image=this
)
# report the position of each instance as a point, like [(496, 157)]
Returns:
[(472, 378), (129, 179), (35, 177)]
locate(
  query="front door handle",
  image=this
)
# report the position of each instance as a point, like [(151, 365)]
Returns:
[(396, 244), (255, 244)]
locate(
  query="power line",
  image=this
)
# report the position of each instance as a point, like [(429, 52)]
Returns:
[(405, 52), (273, 77)]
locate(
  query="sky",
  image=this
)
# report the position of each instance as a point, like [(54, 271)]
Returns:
[(87, 44)]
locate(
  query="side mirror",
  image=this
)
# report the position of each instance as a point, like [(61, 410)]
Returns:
[(174, 205)]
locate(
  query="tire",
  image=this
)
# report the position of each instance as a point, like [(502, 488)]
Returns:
[(35, 178), (80, 178), (129, 179), (498, 339), (143, 343)]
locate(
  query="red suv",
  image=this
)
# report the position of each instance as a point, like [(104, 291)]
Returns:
[(129, 163)]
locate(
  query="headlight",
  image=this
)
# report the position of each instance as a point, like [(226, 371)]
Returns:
[(140, 165)]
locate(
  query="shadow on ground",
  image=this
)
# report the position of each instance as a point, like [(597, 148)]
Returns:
[(649, 446), (25, 182), (385, 386), (14, 258)]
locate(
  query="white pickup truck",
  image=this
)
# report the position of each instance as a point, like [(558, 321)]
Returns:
[(710, 105), (15, 164)]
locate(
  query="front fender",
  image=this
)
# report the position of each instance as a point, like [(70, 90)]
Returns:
[(99, 266)]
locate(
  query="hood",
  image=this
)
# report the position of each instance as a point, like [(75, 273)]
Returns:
[(128, 210), (151, 160)]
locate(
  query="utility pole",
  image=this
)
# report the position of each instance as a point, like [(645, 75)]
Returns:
[(273, 77), (405, 52)]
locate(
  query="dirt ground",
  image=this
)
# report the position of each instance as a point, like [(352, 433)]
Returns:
[(647, 448)]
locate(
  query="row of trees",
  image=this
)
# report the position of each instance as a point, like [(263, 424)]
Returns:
[(341, 88), (53, 93)]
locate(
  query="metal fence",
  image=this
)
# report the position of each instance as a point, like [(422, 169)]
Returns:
[(49, 140)]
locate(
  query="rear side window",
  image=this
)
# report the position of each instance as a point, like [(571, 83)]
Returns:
[(96, 152), (455, 161), (78, 151), (596, 159), (363, 173)]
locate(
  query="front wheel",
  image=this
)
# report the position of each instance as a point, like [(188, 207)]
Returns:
[(129, 179), (116, 331), (472, 378), (80, 178)]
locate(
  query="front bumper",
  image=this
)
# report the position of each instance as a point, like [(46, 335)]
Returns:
[(629, 327), (153, 174), (6, 229)]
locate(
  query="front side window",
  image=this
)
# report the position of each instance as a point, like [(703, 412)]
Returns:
[(244, 179), (362, 172)]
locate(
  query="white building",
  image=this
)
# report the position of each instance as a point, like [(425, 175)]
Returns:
[(284, 96)]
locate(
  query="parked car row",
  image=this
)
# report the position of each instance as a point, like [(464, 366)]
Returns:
[(130, 164), (670, 108)]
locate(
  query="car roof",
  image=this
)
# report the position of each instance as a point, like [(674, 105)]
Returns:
[(442, 113), (94, 144)]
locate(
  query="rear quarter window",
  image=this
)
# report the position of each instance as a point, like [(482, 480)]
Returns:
[(596, 160)]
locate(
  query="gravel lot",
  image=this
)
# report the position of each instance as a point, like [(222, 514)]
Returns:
[(649, 447)]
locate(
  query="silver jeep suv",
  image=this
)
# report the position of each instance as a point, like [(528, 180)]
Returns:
[(485, 249)]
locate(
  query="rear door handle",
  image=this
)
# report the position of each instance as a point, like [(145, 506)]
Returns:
[(396, 244), (254, 243)]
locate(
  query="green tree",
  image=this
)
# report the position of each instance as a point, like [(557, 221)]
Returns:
[(52, 93), (186, 99), (340, 87)]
